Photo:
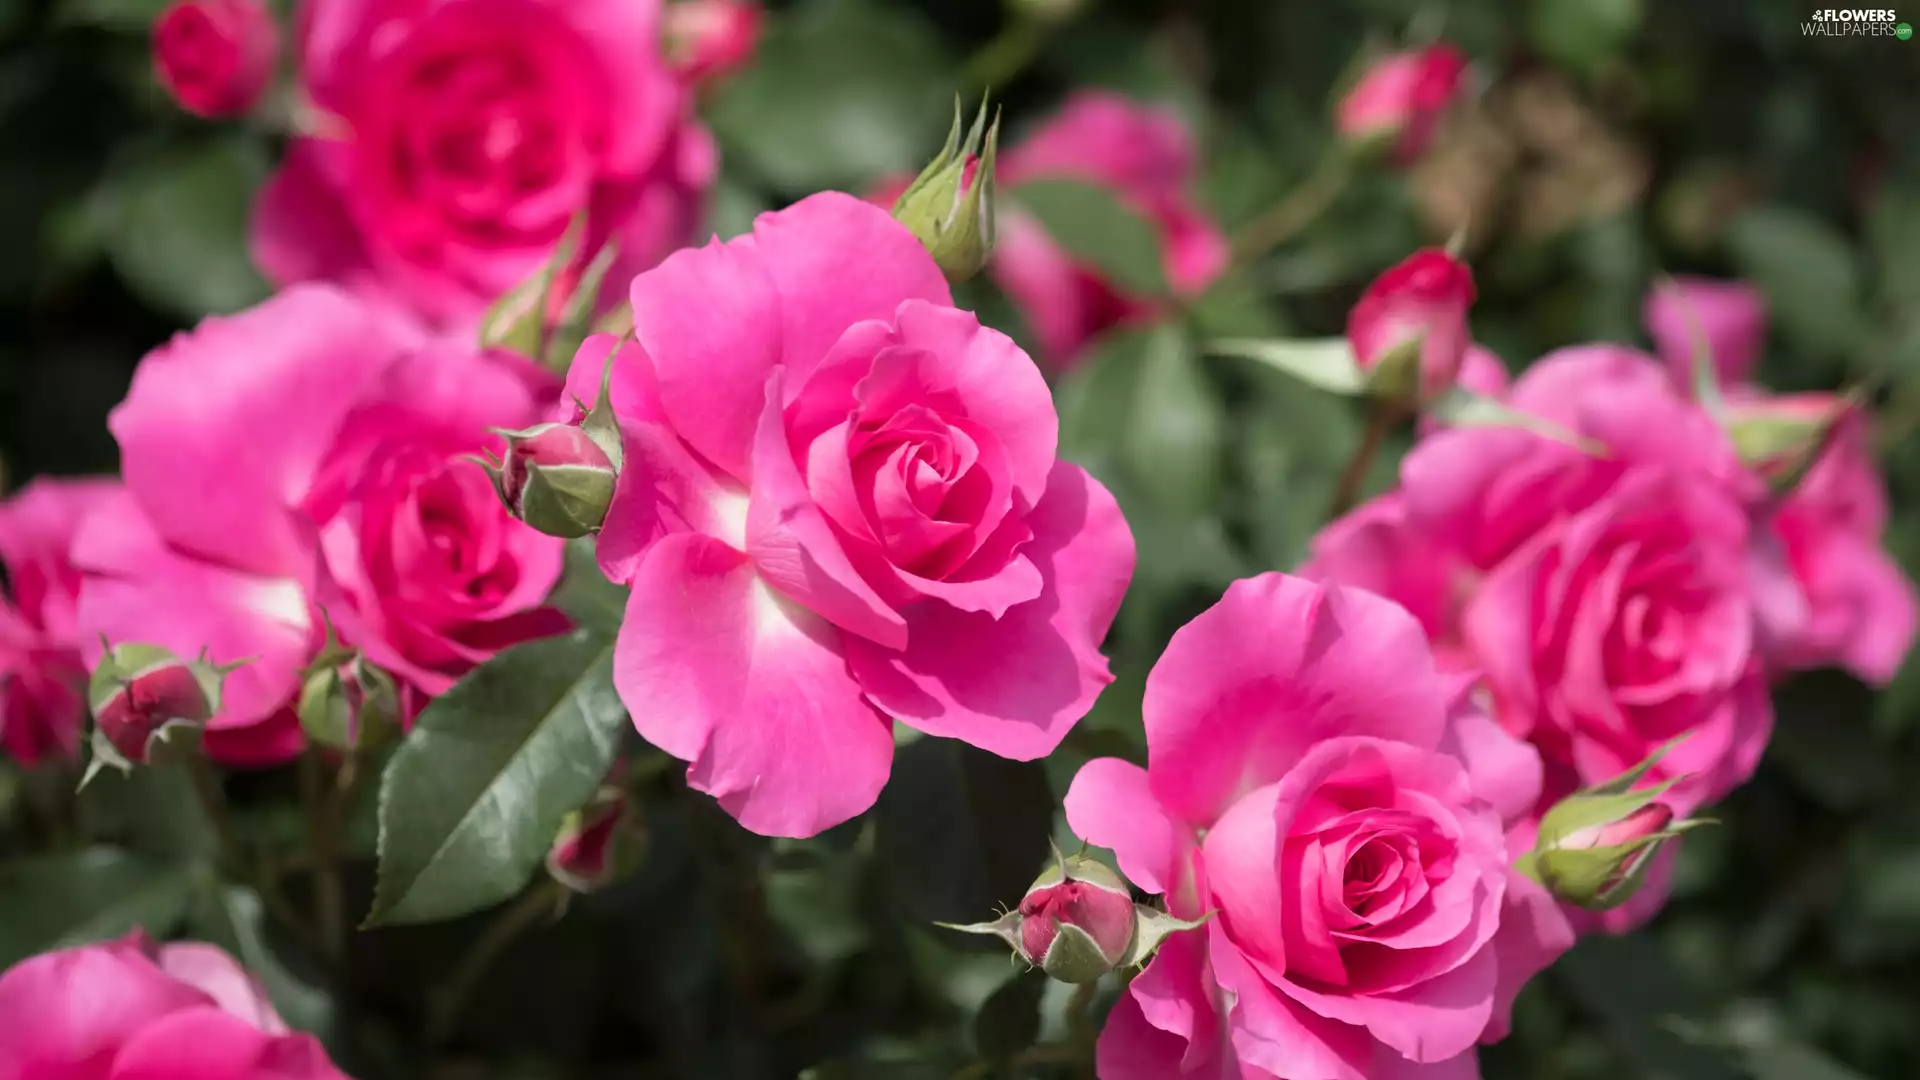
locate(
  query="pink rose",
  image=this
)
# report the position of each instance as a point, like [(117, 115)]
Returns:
[(1610, 597), (1146, 156), (1400, 98), (215, 56), (1728, 319), (133, 1010), (459, 139), (1409, 329), (708, 40), (841, 506), (43, 683), (1349, 830), (1854, 606), (312, 454)]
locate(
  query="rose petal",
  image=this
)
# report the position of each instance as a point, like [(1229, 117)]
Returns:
[(207, 1044), (64, 1013), (1109, 805), (1533, 933)]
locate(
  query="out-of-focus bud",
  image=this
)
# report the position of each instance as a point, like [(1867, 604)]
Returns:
[(149, 705), (1409, 329), (599, 843), (349, 704), (1046, 12), (1595, 846), (710, 39), (1781, 437), (1078, 921), (1397, 102), (215, 56), (547, 316), (1707, 328), (950, 205), (559, 478)]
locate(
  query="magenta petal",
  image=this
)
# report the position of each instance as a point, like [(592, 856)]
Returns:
[(1277, 665), (64, 1014), (1130, 1048), (1109, 805), (1504, 770), (1721, 322), (1014, 685), (1274, 1033), (1430, 1022), (225, 427), (794, 548), (1169, 1022), (718, 670), (219, 976), (300, 230), (207, 1044), (1533, 933)]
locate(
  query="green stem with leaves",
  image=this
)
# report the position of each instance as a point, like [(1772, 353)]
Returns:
[(1297, 209)]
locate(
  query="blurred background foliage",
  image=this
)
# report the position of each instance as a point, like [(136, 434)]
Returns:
[(1608, 141)]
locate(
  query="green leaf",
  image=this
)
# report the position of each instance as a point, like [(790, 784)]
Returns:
[(153, 812), (1631, 986), (585, 594), (176, 226), (840, 92), (1009, 1022), (1091, 223), (124, 16), (1583, 33), (961, 830), (1808, 272), (1325, 363), (55, 901), (472, 800), (233, 917), (1173, 445)]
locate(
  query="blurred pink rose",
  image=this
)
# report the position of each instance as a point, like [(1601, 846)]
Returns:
[(311, 453), (1410, 325), (43, 683), (133, 1010), (1726, 318), (1611, 597), (708, 40), (215, 56), (1348, 829), (841, 505), (1146, 155), (1400, 99), (456, 141)]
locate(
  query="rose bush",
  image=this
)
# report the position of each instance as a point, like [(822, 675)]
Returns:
[(361, 506), (1351, 833), (453, 143), (841, 506)]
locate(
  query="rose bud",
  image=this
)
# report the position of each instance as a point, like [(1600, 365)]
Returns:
[(146, 700), (1409, 329), (1398, 100), (1078, 921), (1595, 846), (559, 477), (950, 205), (1781, 437), (349, 704), (599, 843), (710, 39), (215, 56)]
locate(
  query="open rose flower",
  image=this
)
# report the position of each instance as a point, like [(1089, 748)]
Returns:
[(310, 455), (454, 142), (1613, 598), (841, 505), (133, 1010), (1348, 830), (43, 682), (1145, 155)]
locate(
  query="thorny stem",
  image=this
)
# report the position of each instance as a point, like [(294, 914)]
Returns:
[(539, 902), (1296, 209)]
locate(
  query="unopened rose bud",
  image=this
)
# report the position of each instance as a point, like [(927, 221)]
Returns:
[(349, 704), (547, 316), (147, 701), (950, 205), (1409, 329), (557, 479), (1595, 846), (1398, 100), (215, 56), (599, 844), (709, 39), (1078, 921), (1781, 437)]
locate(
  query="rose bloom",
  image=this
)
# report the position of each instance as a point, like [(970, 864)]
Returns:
[(1610, 597), (133, 1010), (43, 683), (1348, 830), (215, 56), (455, 142), (312, 454), (1400, 98), (840, 506)]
